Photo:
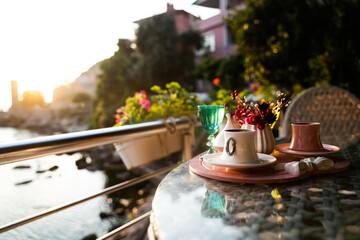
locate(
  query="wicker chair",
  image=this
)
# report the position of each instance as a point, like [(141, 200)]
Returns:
[(336, 109)]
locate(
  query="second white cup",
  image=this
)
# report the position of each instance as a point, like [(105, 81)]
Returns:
[(239, 146)]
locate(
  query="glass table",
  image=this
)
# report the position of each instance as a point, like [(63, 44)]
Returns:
[(188, 206)]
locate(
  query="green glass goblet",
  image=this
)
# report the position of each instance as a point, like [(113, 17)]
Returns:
[(213, 205), (211, 117)]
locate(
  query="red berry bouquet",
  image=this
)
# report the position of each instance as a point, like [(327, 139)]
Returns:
[(257, 113)]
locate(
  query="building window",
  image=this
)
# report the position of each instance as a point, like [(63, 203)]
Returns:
[(230, 36), (209, 42)]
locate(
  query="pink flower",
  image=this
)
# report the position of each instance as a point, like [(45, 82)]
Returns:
[(142, 92), (253, 119), (145, 104), (256, 119)]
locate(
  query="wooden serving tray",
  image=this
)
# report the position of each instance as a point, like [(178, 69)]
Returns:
[(266, 174)]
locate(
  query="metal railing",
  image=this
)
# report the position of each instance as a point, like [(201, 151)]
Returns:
[(43, 146)]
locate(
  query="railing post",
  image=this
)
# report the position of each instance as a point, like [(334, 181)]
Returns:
[(187, 146)]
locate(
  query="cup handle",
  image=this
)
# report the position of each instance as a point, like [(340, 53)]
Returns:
[(233, 145)]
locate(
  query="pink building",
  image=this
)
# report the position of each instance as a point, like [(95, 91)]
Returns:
[(219, 42), (184, 21)]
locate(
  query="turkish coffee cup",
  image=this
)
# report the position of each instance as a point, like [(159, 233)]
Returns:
[(306, 136), (239, 146)]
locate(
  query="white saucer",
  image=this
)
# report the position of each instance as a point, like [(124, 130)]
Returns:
[(264, 160)]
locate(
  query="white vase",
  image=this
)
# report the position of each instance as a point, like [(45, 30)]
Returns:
[(264, 138), (219, 141)]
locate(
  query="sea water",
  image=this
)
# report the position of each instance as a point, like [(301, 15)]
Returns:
[(29, 187)]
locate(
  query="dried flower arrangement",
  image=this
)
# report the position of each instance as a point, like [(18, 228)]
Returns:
[(257, 113)]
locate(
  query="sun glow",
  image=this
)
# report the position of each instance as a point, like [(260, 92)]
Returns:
[(45, 43), (46, 88)]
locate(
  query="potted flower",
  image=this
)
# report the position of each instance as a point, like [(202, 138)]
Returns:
[(172, 102), (260, 116)]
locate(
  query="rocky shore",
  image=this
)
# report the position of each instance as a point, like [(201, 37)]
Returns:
[(47, 121)]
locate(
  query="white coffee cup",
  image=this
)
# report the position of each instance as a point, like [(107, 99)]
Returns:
[(239, 146)]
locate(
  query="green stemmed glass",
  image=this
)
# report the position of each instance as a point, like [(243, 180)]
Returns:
[(211, 117), (213, 205)]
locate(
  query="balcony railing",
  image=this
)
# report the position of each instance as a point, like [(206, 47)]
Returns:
[(43, 146)]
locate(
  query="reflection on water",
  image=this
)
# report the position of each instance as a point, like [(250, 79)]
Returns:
[(8, 134), (32, 186), (124, 204)]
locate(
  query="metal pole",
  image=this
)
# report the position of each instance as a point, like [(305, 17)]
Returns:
[(126, 225), (187, 147), (62, 143)]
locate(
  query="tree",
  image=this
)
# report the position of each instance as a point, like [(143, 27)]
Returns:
[(165, 55), (227, 70), (299, 44), (162, 56), (116, 82), (81, 98), (32, 98)]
